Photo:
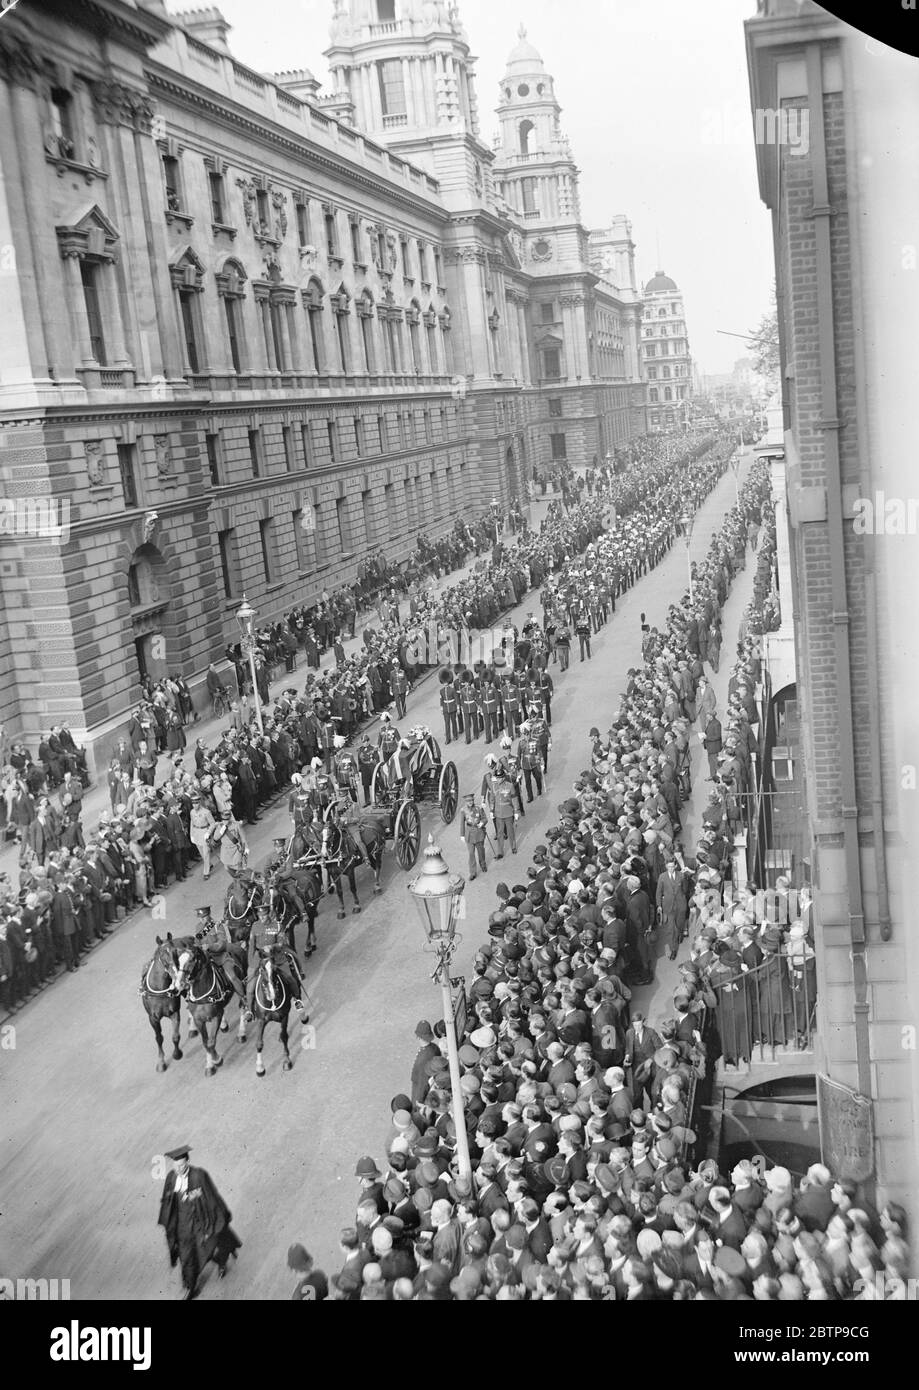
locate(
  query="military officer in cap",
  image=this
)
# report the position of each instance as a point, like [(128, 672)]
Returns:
[(225, 955), (196, 1220), (389, 738), (367, 759), (502, 800), (473, 822), (398, 685), (539, 730), (530, 758)]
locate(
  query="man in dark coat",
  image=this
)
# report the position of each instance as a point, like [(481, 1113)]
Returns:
[(196, 1220)]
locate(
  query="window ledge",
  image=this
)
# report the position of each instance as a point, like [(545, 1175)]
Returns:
[(225, 228), (361, 266), (273, 588), (74, 166), (336, 260), (408, 279), (175, 215)]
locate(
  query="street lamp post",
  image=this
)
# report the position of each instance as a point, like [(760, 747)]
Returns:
[(687, 537), (495, 512), (437, 894), (245, 615)]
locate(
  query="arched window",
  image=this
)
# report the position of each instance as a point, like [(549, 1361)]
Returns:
[(526, 130)]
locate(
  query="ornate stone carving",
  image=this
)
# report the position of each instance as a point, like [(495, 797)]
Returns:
[(117, 104), (231, 281), (95, 462), (151, 522), (250, 204), (18, 62), (163, 453), (541, 250), (279, 203)]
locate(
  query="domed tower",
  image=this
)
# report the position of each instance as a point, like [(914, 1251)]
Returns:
[(665, 357), (406, 68), (534, 169)]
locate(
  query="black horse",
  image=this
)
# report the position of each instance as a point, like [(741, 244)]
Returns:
[(159, 989), (272, 1004), (336, 855), (207, 994)]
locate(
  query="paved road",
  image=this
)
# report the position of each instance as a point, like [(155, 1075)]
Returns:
[(85, 1114)]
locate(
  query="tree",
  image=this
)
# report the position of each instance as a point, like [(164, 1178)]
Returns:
[(764, 346)]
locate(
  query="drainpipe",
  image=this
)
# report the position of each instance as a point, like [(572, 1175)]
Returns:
[(830, 424)]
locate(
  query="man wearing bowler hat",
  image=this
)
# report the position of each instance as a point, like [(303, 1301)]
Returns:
[(196, 1220)]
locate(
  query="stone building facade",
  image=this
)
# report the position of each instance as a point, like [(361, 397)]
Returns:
[(253, 332), (665, 355)]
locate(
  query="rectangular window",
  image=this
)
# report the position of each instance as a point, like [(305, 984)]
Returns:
[(403, 251), (555, 406), (266, 538), (553, 361), (231, 310), (389, 497), (263, 208), (305, 441), (408, 496), (89, 274), (548, 312), (528, 189), (380, 436), (423, 262), (212, 445), (341, 518), (303, 224), (367, 515), (392, 87), (62, 122), (299, 538), (127, 466), (189, 330), (218, 207), (288, 442), (330, 433), (227, 562), (438, 266), (255, 448), (356, 255), (367, 344), (331, 234), (559, 447), (171, 181), (427, 427), (358, 435)]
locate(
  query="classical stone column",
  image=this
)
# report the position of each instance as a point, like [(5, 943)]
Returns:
[(79, 323)]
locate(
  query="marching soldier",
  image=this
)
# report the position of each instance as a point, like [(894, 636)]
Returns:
[(389, 738), (539, 730), (528, 752), (449, 704), (473, 823), (367, 759), (582, 628), (345, 769), (502, 796), (470, 704), (543, 689), (491, 705), (510, 766), (563, 644), (398, 684), (510, 696)]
